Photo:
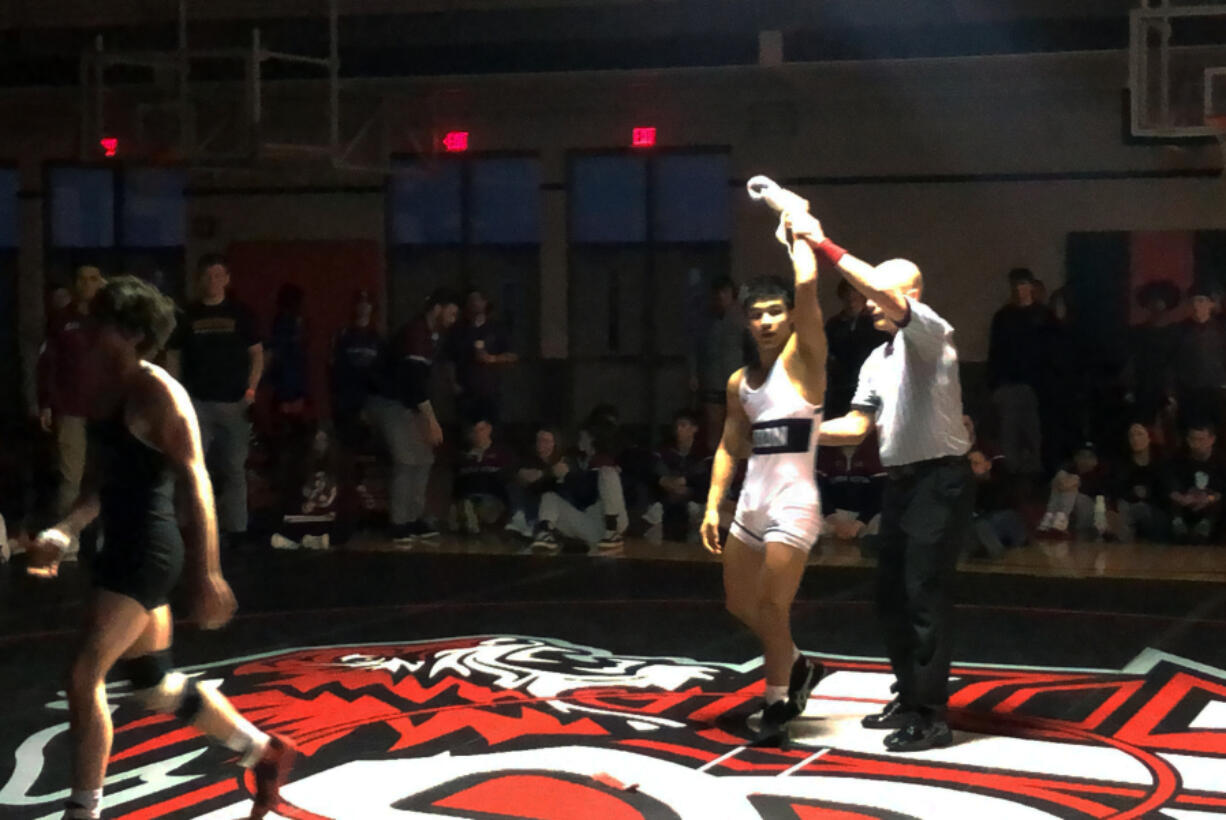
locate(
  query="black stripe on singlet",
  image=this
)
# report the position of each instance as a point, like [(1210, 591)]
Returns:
[(782, 436)]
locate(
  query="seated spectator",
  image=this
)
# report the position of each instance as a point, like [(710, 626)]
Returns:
[(1136, 490), (538, 473), (682, 472), (589, 505), (1194, 487), (309, 504), (996, 523), (1073, 507), (481, 477), (851, 480)]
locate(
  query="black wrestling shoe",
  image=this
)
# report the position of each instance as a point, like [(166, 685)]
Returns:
[(920, 735), (805, 675), (893, 716), (772, 726)]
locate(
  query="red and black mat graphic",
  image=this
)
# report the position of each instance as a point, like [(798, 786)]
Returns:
[(520, 727)]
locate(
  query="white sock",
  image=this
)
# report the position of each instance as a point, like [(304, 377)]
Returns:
[(90, 802), (774, 694), (248, 741), (795, 653)]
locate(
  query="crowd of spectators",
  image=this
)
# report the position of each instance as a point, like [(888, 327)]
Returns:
[(1065, 458)]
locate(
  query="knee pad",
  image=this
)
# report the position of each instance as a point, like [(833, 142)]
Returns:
[(157, 687)]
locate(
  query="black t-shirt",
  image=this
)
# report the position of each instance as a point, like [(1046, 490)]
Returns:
[(355, 355), (214, 341), (467, 342), (1188, 475), (1017, 344), (1136, 483)]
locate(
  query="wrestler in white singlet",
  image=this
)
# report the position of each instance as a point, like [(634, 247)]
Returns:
[(779, 499)]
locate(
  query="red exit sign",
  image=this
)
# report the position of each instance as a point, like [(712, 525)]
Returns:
[(643, 137), (455, 141)]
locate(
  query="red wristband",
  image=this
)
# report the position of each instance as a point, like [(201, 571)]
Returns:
[(831, 251)]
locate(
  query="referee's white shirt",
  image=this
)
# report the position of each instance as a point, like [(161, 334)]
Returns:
[(910, 387)]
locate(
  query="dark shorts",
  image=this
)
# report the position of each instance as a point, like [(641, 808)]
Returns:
[(142, 564)]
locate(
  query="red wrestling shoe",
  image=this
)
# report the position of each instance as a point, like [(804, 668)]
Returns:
[(270, 774)]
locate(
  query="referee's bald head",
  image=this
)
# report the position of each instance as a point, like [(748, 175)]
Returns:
[(900, 274)]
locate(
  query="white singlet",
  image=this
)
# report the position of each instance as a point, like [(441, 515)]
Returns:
[(779, 500)]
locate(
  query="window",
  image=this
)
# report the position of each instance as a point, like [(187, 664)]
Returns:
[(427, 203), (154, 208), (505, 197), (82, 202), (608, 199), (690, 198), (124, 220), (648, 235)]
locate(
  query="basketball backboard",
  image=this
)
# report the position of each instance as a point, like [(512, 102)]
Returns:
[(1177, 68)]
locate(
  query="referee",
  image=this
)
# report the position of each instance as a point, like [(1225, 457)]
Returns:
[(909, 389)]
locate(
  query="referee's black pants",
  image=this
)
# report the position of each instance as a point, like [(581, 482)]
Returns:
[(925, 517)]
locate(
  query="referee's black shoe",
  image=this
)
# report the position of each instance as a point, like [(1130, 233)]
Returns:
[(923, 733), (893, 716)]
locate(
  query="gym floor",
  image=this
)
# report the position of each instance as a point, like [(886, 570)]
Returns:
[(464, 680)]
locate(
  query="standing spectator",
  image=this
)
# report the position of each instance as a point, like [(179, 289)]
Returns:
[(1015, 367), (852, 482), (402, 413), (537, 474), (285, 373), (1151, 349), (851, 337), (481, 476), (285, 358), (1195, 484), (355, 354), (217, 355), (1063, 386), (718, 349), (682, 471), (1075, 489), (64, 384), (1200, 364), (1136, 490), (480, 351)]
